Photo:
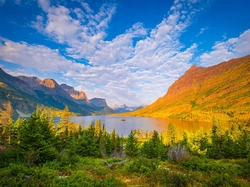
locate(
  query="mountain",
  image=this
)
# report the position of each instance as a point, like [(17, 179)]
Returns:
[(125, 108), (221, 91), (80, 98), (52, 94), (101, 105), (25, 93), (19, 92), (75, 94)]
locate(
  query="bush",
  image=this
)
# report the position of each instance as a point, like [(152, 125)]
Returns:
[(10, 155), (209, 165), (178, 153), (223, 180), (248, 157), (244, 171), (79, 178), (164, 177), (141, 165), (21, 175)]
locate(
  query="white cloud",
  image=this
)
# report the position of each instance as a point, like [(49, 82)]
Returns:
[(19, 72), (143, 72), (135, 67), (202, 31), (44, 4), (83, 34), (225, 50), (34, 56), (87, 7)]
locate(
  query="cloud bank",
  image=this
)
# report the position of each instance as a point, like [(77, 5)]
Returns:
[(226, 50)]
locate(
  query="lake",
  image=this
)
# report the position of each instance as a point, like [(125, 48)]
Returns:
[(144, 123)]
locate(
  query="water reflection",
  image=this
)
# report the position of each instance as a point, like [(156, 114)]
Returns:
[(123, 127)]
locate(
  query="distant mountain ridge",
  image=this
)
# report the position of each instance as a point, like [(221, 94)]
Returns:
[(222, 91), (25, 93), (125, 108)]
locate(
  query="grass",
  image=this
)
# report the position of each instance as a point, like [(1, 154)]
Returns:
[(138, 171)]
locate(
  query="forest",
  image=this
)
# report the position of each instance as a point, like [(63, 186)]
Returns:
[(36, 151)]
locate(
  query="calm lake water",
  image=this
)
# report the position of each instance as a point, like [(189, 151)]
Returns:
[(130, 123)]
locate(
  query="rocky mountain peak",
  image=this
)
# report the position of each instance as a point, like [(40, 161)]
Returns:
[(78, 95), (98, 102), (50, 83), (32, 81)]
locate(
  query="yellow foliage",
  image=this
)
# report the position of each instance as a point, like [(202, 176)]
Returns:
[(222, 91)]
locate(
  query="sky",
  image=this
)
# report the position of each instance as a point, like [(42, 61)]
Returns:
[(126, 51)]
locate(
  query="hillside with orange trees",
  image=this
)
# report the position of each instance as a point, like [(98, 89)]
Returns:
[(221, 91)]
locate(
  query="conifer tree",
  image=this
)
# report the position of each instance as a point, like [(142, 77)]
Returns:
[(1, 134), (36, 140), (113, 141), (88, 143), (132, 145), (118, 144), (217, 137), (103, 140), (171, 134), (109, 148), (15, 131), (154, 148)]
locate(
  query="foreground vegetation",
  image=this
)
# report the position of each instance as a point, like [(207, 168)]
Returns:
[(37, 152)]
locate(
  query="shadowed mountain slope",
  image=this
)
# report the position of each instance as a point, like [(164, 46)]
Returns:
[(25, 93)]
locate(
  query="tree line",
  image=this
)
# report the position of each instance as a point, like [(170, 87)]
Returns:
[(38, 139)]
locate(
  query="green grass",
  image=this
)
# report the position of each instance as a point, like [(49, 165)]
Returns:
[(139, 171)]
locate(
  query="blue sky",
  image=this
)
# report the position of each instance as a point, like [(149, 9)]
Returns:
[(127, 51)]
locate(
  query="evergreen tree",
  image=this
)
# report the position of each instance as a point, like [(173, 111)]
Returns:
[(243, 143), (37, 140), (2, 142), (113, 141), (218, 137), (15, 131), (132, 145), (88, 143), (103, 140), (154, 148), (118, 144), (7, 131), (109, 148), (171, 134)]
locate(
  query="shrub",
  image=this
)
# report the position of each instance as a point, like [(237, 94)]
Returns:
[(164, 177), (209, 165), (21, 175), (141, 165), (178, 153), (79, 178), (223, 180), (244, 171), (10, 155)]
